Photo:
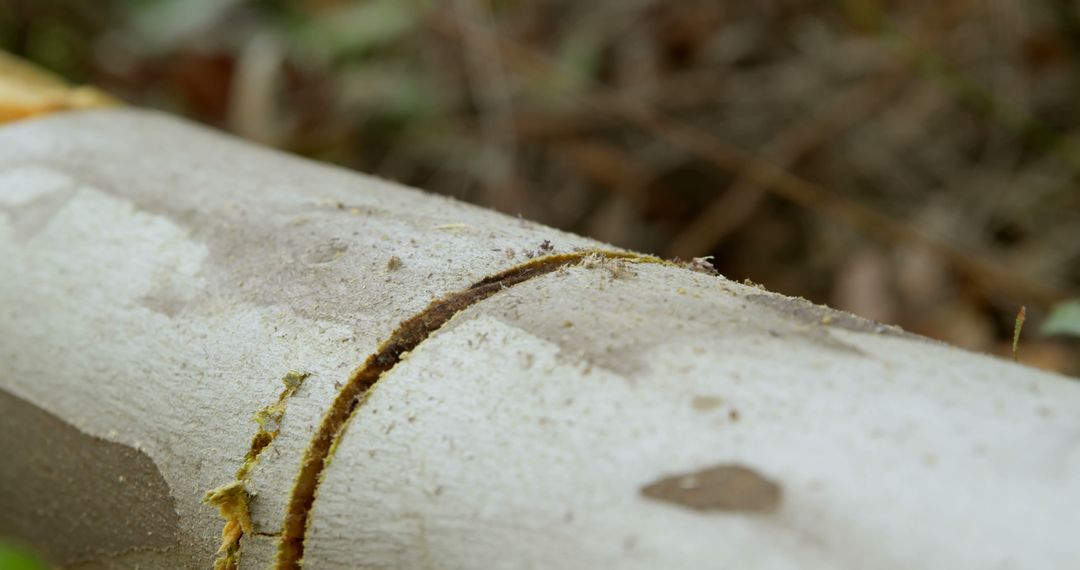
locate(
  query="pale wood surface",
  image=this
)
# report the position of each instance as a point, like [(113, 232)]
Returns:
[(162, 280)]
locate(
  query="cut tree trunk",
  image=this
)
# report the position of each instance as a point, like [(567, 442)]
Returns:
[(212, 353)]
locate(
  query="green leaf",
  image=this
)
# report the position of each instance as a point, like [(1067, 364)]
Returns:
[(1064, 319), (16, 558), (163, 24)]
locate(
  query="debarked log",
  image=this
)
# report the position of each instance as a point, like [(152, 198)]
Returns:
[(217, 354)]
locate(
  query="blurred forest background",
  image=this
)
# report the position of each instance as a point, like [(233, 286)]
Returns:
[(915, 162)]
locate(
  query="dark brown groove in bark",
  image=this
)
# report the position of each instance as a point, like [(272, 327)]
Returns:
[(409, 334)]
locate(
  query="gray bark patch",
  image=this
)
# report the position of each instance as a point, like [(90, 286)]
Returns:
[(75, 497)]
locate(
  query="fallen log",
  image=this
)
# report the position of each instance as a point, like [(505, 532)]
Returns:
[(213, 353)]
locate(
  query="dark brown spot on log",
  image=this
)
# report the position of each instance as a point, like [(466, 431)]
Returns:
[(719, 488), (706, 403)]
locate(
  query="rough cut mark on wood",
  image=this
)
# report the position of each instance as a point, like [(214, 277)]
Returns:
[(231, 499), (720, 488), (405, 338)]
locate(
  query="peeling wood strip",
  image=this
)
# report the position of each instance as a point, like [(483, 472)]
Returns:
[(409, 334), (27, 90)]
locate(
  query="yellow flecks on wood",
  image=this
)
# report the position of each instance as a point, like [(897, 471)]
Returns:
[(270, 416), (269, 420), (26, 91), (292, 381), (452, 227), (232, 498), (232, 503)]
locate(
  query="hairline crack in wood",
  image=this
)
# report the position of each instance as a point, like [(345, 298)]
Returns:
[(408, 335)]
